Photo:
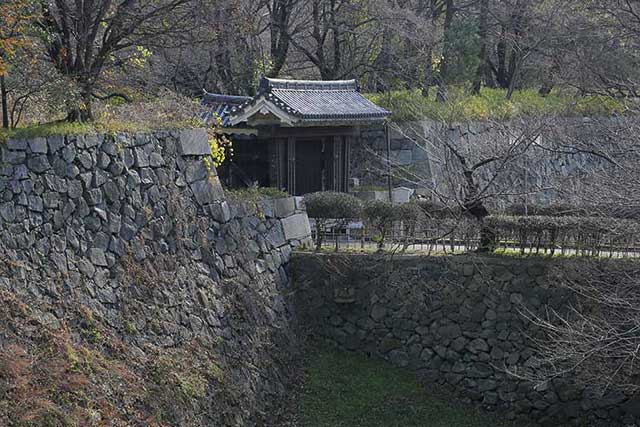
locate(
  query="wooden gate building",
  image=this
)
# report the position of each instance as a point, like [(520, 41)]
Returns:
[(294, 134)]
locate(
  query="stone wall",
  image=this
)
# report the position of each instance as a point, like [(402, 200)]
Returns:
[(366, 160), (456, 321), (418, 157), (129, 240)]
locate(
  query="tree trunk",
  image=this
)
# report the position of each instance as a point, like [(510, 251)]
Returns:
[(446, 53), (5, 105), (501, 69), (513, 75), (474, 206), (382, 63), (82, 112), (428, 73), (429, 79), (487, 238), (337, 47), (279, 29), (482, 54)]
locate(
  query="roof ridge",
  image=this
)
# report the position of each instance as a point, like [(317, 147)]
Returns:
[(267, 84), (210, 97)]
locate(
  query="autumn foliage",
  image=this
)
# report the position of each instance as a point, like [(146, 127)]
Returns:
[(15, 17)]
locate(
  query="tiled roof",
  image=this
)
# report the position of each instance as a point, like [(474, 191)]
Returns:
[(305, 100), (221, 106), (320, 100)]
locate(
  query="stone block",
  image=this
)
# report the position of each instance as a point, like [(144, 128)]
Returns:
[(275, 236), (296, 227), (38, 164), (207, 191), (97, 257), (17, 144), (13, 157), (402, 157), (284, 207), (194, 142), (267, 208), (141, 157), (401, 195), (38, 145), (221, 211), (378, 312), (299, 200), (91, 141), (55, 143), (196, 171)]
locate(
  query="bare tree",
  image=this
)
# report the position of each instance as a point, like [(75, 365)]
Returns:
[(84, 38), (595, 339)]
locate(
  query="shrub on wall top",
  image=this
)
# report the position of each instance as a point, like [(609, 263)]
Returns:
[(379, 216), (410, 212), (564, 210), (325, 206), (329, 204)]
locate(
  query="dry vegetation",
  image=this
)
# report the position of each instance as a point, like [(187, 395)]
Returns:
[(76, 372)]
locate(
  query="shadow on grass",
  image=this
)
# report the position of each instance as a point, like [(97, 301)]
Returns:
[(348, 389)]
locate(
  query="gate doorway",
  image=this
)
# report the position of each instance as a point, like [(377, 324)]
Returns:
[(313, 166)]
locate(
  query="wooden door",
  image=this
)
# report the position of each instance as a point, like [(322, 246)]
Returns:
[(313, 165)]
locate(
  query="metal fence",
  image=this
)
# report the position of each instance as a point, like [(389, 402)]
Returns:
[(448, 236)]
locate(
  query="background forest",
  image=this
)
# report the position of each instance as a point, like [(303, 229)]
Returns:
[(77, 60)]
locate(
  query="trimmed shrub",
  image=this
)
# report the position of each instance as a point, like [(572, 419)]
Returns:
[(329, 206), (588, 235), (546, 210), (412, 219), (601, 210), (379, 216)]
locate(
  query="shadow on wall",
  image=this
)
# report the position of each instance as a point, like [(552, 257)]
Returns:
[(127, 242), (454, 320)]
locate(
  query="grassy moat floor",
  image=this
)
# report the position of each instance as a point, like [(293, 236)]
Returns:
[(347, 389)]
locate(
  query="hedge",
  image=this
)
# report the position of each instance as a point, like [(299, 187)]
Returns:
[(422, 221), (328, 205)]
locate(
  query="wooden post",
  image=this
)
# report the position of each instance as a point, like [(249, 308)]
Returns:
[(389, 179)]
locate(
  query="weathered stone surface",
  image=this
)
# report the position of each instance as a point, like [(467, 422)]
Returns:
[(38, 164), (17, 144), (284, 207), (97, 257), (196, 171), (38, 145), (378, 312), (207, 191), (194, 142), (296, 226), (478, 345), (13, 157), (55, 143), (141, 157), (221, 212), (450, 331)]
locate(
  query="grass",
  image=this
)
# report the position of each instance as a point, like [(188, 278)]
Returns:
[(347, 389), (491, 104), (49, 129), (406, 105), (256, 193), (74, 128)]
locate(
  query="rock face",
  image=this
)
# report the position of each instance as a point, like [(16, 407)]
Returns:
[(135, 231), (454, 320)]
